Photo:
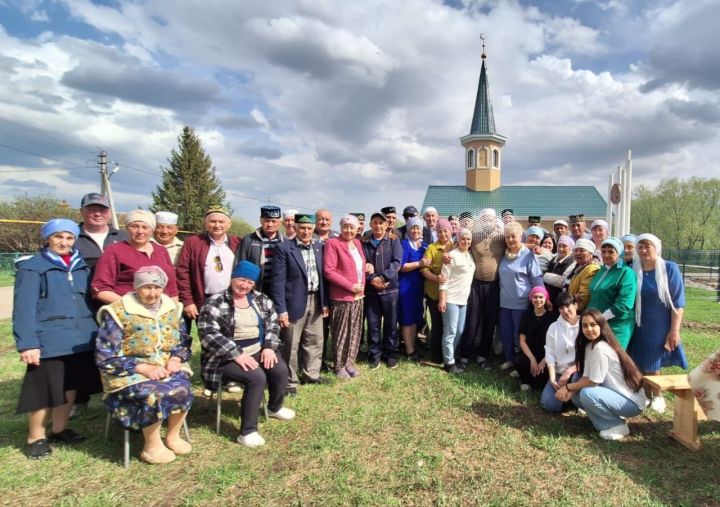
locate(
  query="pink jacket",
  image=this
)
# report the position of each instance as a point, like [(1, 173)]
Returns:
[(339, 268)]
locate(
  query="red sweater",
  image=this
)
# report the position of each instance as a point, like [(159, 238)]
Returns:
[(190, 268), (339, 268)]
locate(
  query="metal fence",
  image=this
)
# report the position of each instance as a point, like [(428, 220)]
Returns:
[(701, 272)]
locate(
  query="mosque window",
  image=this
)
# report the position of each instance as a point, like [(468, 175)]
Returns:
[(496, 158), (470, 158)]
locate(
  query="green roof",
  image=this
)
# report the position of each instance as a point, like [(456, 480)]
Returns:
[(483, 121), (545, 201)]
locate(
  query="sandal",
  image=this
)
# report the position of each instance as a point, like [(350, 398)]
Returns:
[(37, 449), (66, 436)]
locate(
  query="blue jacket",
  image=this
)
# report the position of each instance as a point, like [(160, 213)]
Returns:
[(50, 308), (386, 258), (289, 279)]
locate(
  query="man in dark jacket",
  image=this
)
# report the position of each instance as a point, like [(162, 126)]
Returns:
[(96, 233), (259, 246), (301, 302), (381, 292)]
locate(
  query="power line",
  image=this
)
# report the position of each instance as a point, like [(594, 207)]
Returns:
[(144, 171), (13, 148), (45, 170)]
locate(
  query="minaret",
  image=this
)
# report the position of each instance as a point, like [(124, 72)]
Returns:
[(483, 146)]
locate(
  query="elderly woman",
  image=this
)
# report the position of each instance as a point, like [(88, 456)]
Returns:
[(533, 240), (411, 284), (560, 268), (599, 230), (54, 333), (658, 312), (518, 273), (629, 241), (613, 290), (454, 293), (344, 271), (142, 351), (583, 272), (433, 279), (239, 332), (115, 270)]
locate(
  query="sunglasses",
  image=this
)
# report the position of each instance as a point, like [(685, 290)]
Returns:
[(218, 264)]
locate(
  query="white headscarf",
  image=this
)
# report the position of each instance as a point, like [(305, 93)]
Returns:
[(661, 278)]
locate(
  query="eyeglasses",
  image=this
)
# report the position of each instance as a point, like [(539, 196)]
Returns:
[(218, 264)]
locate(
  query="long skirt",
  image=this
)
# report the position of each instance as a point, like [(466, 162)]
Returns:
[(346, 325), (141, 405)]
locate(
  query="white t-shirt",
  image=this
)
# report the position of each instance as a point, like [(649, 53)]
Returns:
[(459, 273), (99, 238), (602, 366), (217, 274)]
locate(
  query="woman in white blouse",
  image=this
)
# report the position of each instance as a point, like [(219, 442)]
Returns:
[(454, 294)]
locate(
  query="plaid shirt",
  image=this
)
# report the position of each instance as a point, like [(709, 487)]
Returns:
[(311, 268), (216, 327)]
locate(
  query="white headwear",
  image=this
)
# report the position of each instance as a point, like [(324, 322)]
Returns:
[(290, 213), (166, 217), (661, 278), (429, 209)]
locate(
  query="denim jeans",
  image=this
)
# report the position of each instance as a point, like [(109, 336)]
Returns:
[(453, 325), (604, 406), (548, 400), (509, 329)]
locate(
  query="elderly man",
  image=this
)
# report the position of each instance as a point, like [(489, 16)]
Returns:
[(560, 228), (323, 226), (385, 254), (259, 246), (165, 234), (206, 262), (577, 227), (96, 234), (361, 224), (431, 219), (301, 302), (289, 223), (507, 215), (408, 213)]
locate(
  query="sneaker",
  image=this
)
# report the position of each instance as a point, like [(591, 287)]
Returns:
[(343, 374), (524, 387), (207, 392), (453, 369), (375, 364), (233, 387), (251, 440), (615, 433), (506, 365), (352, 371), (514, 374), (284, 414), (581, 411), (66, 436), (392, 363), (658, 404), (37, 449)]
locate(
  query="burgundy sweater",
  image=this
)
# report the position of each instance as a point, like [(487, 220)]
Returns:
[(339, 268)]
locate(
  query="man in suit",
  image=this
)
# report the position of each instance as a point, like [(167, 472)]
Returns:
[(298, 290)]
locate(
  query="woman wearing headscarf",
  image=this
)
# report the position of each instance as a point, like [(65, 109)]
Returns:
[(115, 270), (433, 279), (658, 312), (613, 290), (411, 284), (54, 333), (344, 270), (560, 268), (518, 272), (583, 272), (533, 239), (629, 241), (143, 351), (239, 332)]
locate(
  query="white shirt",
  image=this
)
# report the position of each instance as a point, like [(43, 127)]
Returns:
[(560, 344), (602, 366), (99, 238), (218, 281), (459, 273)]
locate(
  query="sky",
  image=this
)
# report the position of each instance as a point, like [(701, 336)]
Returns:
[(352, 106)]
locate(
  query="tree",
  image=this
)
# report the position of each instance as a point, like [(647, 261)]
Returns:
[(189, 185), (683, 214), (25, 237)]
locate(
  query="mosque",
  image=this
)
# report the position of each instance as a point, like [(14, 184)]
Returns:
[(483, 172)]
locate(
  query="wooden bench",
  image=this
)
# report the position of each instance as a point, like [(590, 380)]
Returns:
[(687, 411)]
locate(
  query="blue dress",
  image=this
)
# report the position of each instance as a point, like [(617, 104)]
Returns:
[(411, 286), (646, 346)]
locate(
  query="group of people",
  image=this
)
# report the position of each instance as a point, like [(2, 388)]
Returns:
[(103, 309)]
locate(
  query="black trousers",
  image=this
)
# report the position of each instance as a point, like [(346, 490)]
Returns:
[(254, 382), (436, 330), (482, 316), (522, 365)]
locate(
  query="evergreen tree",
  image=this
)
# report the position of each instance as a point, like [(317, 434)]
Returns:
[(189, 185)]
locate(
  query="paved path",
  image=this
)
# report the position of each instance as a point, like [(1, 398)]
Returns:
[(6, 302)]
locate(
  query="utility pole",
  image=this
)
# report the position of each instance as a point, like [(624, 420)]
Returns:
[(105, 187)]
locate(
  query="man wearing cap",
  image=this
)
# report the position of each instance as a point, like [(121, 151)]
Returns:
[(300, 297), (431, 218), (323, 226), (408, 213), (507, 215), (577, 227), (454, 225), (583, 273), (206, 261), (385, 254), (259, 247), (289, 223), (165, 234), (96, 233), (560, 228), (361, 224)]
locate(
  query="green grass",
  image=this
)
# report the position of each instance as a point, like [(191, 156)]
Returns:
[(412, 436), (7, 279)]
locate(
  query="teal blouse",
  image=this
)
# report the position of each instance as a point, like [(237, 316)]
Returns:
[(614, 289)]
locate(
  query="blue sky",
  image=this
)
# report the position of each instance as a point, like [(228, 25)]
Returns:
[(352, 106)]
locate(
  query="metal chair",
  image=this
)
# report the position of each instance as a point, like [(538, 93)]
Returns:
[(126, 438), (218, 405)]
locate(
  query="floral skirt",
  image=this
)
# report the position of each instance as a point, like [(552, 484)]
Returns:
[(141, 405)]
